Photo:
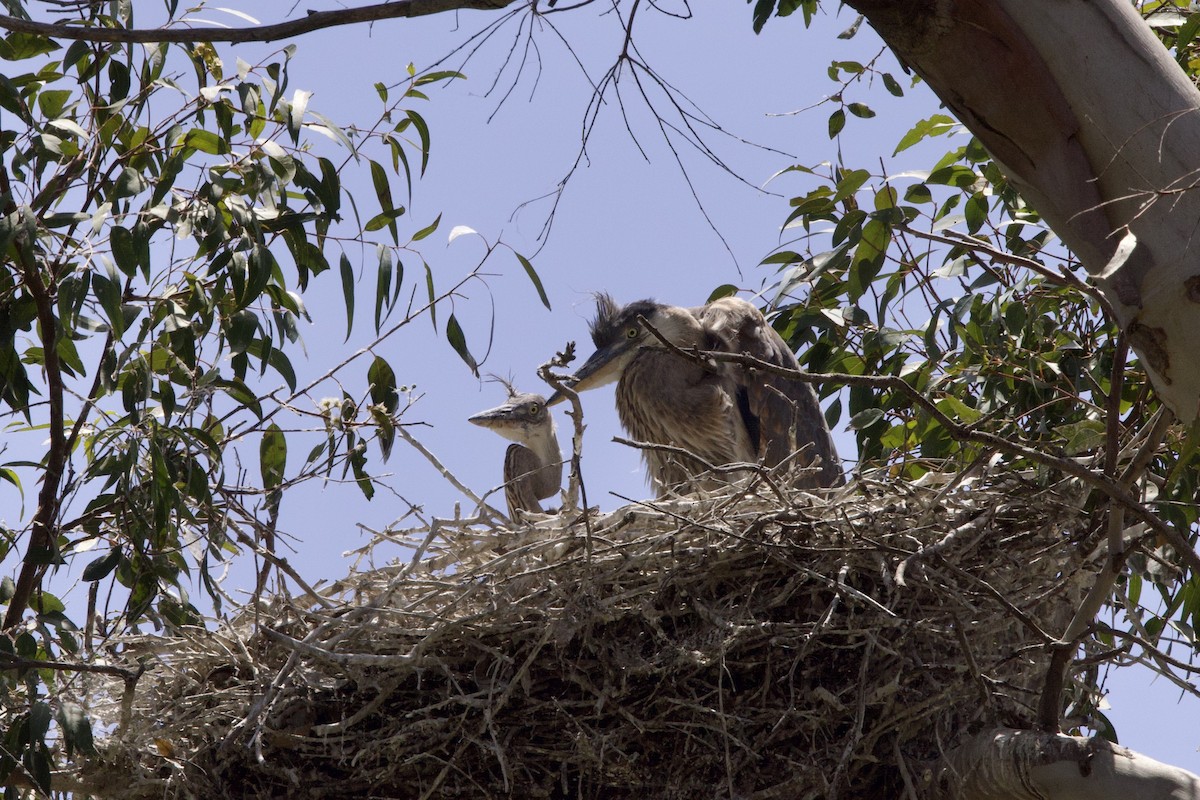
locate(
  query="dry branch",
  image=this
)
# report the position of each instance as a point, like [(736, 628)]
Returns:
[(310, 22)]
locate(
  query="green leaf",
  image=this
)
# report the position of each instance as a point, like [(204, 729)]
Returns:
[(206, 142), (866, 418), (103, 565), (1106, 730), (762, 12), (724, 290), (385, 219), (891, 85), (39, 721), (918, 193), (68, 356), (240, 330), (837, 121), (975, 210), (15, 479), (45, 603), (423, 131), (275, 358), (443, 75), (954, 408), (129, 183), (383, 189), (109, 293), (240, 392), (347, 292), (954, 175), (869, 255), (383, 284), (386, 430), (421, 234), (849, 182), (295, 118), (382, 379), (533, 276), (860, 110), (272, 456), (1187, 33), (885, 198), (53, 101), (18, 46), (76, 728), (458, 341), (358, 463), (936, 125), (432, 295)]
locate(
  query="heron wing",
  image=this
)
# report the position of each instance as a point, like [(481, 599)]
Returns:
[(784, 412), (665, 399), (521, 467)]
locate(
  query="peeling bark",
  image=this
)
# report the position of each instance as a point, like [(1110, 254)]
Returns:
[(1006, 764), (1098, 127)]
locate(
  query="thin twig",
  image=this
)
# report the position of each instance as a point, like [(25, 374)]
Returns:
[(576, 488), (446, 473)]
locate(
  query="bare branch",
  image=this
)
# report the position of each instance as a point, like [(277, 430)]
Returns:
[(313, 21)]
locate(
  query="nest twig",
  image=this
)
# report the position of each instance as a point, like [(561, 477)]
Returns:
[(738, 644)]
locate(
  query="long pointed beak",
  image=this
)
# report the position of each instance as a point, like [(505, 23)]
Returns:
[(498, 417), (602, 366)]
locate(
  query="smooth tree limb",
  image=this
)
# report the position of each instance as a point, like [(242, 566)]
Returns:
[(1009, 764)]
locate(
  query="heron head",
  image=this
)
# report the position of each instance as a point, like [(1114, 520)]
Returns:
[(517, 419), (618, 333)]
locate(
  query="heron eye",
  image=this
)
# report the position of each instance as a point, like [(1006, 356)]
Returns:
[(632, 333), (535, 409)]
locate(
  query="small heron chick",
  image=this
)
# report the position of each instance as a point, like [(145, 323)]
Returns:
[(533, 465)]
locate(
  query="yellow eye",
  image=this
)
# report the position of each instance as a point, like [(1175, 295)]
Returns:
[(535, 409), (632, 333)]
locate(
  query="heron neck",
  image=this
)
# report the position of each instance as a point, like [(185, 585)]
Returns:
[(544, 444)]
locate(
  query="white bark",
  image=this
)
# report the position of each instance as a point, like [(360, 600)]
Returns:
[(1098, 126), (1006, 764)]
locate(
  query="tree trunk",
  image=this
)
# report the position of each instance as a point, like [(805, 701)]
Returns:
[(1007, 764), (1096, 125)]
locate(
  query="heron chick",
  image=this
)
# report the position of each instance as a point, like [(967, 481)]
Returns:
[(724, 413), (533, 465)]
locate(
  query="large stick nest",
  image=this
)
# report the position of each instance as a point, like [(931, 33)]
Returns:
[(736, 645)]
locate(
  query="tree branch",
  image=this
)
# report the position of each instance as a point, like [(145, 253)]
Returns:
[(9, 661), (41, 541), (1018, 765), (313, 21)]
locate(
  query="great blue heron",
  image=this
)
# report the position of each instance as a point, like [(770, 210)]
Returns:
[(533, 465), (724, 413)]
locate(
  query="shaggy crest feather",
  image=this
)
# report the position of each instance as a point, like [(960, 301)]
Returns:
[(611, 319)]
